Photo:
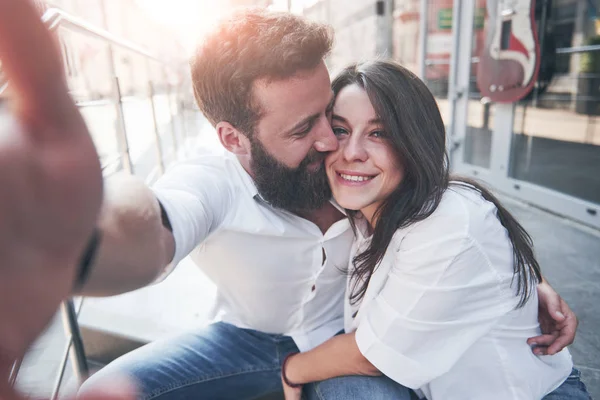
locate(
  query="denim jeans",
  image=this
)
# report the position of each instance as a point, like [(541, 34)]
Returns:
[(226, 362), (336, 389), (572, 389)]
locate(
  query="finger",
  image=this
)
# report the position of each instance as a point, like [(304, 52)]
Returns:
[(540, 351), (562, 325), (566, 337), (558, 316), (543, 340), (30, 59)]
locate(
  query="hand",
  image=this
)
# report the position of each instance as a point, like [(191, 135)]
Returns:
[(557, 321), (291, 393), (51, 184)]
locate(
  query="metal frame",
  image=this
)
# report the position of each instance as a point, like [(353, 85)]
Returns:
[(502, 133), (460, 70), (423, 33), (75, 342)]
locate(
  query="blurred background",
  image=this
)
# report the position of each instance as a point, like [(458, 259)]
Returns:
[(126, 61)]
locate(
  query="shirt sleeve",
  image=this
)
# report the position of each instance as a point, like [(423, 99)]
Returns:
[(441, 295), (196, 196)]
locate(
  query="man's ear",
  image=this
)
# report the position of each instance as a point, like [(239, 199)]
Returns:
[(232, 139)]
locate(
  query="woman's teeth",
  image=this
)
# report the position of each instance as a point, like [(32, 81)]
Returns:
[(356, 178)]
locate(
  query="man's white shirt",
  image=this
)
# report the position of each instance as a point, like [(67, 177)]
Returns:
[(274, 271)]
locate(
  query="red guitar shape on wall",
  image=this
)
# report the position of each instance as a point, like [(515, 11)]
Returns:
[(510, 61)]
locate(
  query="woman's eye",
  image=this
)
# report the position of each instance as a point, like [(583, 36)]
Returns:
[(378, 134), (338, 131)]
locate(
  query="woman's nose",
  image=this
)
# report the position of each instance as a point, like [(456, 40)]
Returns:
[(354, 149)]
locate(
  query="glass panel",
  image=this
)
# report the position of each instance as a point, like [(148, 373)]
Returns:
[(480, 113), (556, 139), (139, 125), (101, 119), (163, 111), (439, 47), (87, 68), (133, 72), (477, 146), (86, 65)]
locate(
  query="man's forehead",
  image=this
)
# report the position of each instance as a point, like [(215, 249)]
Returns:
[(296, 97)]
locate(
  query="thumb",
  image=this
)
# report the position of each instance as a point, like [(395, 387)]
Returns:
[(558, 316), (556, 310), (553, 306)]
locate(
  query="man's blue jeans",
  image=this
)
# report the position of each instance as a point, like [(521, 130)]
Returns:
[(226, 362)]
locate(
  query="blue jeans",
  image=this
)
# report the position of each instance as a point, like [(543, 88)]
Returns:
[(226, 362), (572, 389), (335, 389)]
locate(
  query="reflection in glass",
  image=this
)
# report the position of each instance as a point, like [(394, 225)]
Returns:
[(556, 140)]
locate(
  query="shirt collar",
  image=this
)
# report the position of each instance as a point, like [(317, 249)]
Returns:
[(362, 228), (247, 179)]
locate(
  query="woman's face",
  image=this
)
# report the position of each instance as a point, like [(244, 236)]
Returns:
[(364, 170)]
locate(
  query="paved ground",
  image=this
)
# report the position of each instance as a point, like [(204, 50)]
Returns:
[(570, 258)]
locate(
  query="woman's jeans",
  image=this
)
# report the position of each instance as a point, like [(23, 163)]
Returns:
[(226, 362)]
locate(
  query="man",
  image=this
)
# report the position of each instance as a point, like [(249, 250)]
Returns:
[(257, 220)]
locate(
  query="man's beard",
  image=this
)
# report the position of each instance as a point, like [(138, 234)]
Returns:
[(293, 189)]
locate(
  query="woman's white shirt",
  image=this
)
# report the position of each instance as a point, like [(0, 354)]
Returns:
[(440, 315)]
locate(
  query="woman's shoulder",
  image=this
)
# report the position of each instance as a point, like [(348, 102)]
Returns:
[(461, 212)]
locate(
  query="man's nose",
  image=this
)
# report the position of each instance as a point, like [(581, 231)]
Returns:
[(326, 140)]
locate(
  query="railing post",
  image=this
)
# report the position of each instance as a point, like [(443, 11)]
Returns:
[(423, 34), (183, 121), (159, 152), (171, 114), (122, 129), (72, 327), (14, 372)]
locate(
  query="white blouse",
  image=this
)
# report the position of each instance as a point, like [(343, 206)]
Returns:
[(439, 315)]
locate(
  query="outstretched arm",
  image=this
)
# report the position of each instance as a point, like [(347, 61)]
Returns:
[(134, 245)]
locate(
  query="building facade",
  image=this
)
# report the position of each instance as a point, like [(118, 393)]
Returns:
[(544, 149)]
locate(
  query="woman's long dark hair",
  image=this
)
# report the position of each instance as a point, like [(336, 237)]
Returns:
[(416, 132)]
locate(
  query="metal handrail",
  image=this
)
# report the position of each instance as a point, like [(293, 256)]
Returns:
[(55, 18)]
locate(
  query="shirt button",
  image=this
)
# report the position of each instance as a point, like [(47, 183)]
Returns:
[(313, 288)]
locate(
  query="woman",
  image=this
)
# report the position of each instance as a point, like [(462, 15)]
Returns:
[(441, 294)]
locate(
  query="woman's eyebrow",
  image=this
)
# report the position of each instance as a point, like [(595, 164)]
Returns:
[(339, 118)]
